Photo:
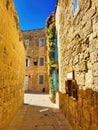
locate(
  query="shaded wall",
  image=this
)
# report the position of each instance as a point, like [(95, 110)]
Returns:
[(78, 48), (12, 63)]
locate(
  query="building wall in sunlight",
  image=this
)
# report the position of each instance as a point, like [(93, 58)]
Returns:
[(36, 78), (77, 27), (12, 63)]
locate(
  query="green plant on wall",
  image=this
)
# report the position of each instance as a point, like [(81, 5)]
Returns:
[(51, 34), (50, 25)]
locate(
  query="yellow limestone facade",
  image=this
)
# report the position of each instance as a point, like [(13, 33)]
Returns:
[(77, 30), (12, 63)]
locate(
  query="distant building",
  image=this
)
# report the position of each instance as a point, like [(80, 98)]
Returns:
[(36, 61)]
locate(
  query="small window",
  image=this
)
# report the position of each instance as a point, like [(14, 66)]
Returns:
[(41, 79), (27, 42), (41, 42), (41, 61), (28, 61), (76, 5), (35, 63)]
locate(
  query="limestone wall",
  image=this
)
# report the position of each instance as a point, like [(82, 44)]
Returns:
[(34, 51), (12, 63), (78, 48)]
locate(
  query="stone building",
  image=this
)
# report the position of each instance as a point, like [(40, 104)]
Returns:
[(12, 64), (36, 78), (77, 30)]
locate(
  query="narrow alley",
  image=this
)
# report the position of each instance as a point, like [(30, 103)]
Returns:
[(38, 113), (49, 73)]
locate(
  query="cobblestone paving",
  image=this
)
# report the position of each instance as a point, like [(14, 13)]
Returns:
[(31, 117)]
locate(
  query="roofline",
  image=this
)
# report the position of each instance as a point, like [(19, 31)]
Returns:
[(33, 29)]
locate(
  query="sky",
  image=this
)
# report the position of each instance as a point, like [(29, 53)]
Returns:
[(33, 13)]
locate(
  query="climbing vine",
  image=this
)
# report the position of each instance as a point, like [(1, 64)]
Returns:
[(50, 25)]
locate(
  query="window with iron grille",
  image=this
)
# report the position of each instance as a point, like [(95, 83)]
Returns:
[(41, 61), (41, 79), (41, 42)]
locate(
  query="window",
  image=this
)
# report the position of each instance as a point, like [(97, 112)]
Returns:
[(41, 61), (35, 63), (76, 5), (27, 42), (41, 42), (41, 79), (28, 61)]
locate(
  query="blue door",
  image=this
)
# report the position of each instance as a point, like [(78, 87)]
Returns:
[(56, 49), (55, 81)]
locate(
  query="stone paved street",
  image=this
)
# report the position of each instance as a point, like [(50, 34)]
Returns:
[(38, 113)]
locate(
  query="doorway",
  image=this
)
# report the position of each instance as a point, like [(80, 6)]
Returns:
[(26, 83)]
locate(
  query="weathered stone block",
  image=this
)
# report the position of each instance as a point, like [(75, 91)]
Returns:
[(89, 65), (76, 60), (95, 18), (96, 83), (83, 66), (92, 36), (94, 56), (88, 28), (81, 57), (93, 45), (95, 27), (76, 68), (81, 79), (95, 69), (86, 55), (89, 13), (89, 79)]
